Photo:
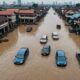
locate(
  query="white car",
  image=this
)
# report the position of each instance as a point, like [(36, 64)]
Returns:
[(44, 39), (55, 35)]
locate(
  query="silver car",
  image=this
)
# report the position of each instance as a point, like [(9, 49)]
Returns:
[(55, 36), (44, 39)]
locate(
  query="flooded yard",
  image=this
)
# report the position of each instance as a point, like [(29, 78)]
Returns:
[(36, 66)]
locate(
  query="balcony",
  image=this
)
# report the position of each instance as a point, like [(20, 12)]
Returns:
[(4, 25), (24, 17)]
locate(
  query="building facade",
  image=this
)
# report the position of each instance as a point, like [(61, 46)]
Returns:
[(4, 26), (27, 16)]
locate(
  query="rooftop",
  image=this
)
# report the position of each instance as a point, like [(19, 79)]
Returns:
[(31, 11), (44, 36), (11, 11), (8, 11)]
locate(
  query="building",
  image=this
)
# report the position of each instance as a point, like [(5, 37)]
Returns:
[(11, 15), (27, 16), (19, 2), (4, 26), (4, 3), (14, 3), (9, 18)]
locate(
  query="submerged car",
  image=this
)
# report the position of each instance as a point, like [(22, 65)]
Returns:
[(71, 30), (21, 56), (58, 26), (78, 55), (46, 50), (55, 36), (61, 59), (29, 29), (43, 39)]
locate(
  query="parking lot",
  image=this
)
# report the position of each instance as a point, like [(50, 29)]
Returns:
[(38, 67)]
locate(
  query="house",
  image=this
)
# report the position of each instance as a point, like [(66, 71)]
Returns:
[(11, 15), (27, 16), (41, 12), (4, 26)]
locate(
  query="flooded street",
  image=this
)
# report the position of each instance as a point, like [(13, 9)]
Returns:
[(36, 66)]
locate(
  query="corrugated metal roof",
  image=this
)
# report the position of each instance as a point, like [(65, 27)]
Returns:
[(76, 15)]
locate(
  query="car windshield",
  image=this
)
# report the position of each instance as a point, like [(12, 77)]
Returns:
[(43, 38), (45, 49), (55, 34), (61, 58), (19, 56)]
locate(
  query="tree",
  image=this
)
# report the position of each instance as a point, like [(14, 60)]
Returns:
[(78, 5), (35, 5)]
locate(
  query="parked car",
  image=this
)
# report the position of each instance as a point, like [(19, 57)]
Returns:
[(61, 58), (29, 29), (78, 55), (58, 26), (44, 39), (21, 56), (71, 30), (46, 50), (55, 36)]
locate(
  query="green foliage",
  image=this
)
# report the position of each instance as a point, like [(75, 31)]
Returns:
[(35, 5), (78, 5)]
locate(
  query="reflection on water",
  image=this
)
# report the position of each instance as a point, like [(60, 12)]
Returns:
[(12, 39), (37, 67), (33, 32)]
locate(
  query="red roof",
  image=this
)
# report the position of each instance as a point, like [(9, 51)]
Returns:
[(9, 11), (26, 11), (13, 10), (5, 13)]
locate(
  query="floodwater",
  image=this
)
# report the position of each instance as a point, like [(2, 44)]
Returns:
[(36, 66)]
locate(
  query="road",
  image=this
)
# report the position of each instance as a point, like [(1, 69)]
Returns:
[(36, 66)]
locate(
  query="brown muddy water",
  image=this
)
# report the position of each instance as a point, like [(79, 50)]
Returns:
[(37, 67)]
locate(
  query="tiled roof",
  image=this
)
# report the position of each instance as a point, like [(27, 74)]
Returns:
[(26, 11), (9, 11), (13, 10), (5, 13)]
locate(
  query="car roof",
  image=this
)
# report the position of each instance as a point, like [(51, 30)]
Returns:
[(22, 51), (61, 53), (78, 51), (46, 46), (55, 33), (44, 36)]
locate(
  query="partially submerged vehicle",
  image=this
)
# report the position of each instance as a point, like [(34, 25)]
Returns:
[(71, 30), (4, 40), (21, 56), (61, 59), (29, 29), (58, 26), (46, 50), (78, 55), (55, 35), (43, 39)]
